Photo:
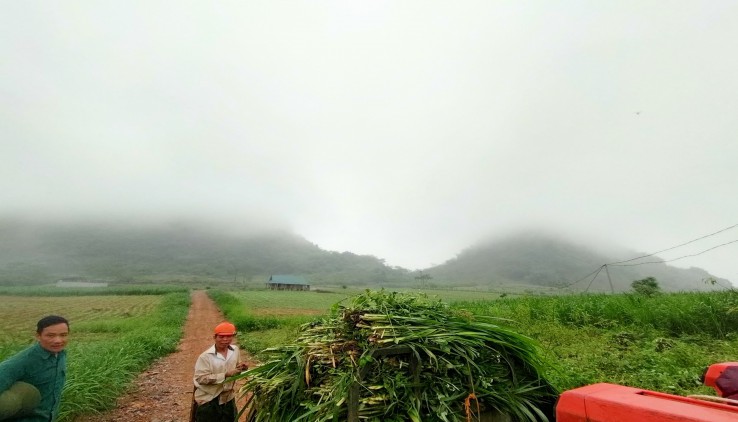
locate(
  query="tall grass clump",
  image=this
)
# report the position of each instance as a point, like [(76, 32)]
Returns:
[(663, 342), (705, 313), (102, 367), (711, 313), (676, 314)]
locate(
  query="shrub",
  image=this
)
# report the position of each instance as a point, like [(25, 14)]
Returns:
[(647, 287)]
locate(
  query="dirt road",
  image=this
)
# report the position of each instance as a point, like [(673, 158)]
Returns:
[(163, 393)]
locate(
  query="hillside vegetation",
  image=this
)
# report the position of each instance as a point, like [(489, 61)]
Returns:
[(177, 252), (545, 261), (33, 253)]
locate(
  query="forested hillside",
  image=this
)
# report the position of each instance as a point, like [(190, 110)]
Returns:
[(32, 253), (42, 253), (543, 260)]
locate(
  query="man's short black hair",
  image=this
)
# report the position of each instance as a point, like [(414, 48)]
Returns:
[(50, 320)]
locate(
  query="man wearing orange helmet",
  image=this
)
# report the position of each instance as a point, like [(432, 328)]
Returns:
[(213, 396)]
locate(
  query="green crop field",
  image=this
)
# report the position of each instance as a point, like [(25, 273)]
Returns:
[(660, 343), (112, 339), (113, 290), (18, 315), (273, 302)]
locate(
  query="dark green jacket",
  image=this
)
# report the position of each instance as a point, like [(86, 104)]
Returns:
[(44, 370)]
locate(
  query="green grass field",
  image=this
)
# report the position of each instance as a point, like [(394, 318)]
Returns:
[(116, 289), (267, 301), (112, 339), (19, 314), (662, 343)]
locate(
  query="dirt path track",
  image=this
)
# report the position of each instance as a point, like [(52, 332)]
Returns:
[(163, 393)]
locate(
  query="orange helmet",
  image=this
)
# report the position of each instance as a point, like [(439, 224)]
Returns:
[(225, 328)]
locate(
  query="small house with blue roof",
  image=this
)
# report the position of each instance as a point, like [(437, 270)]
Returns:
[(287, 282)]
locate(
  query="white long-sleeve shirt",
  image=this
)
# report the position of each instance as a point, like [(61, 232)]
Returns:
[(210, 370)]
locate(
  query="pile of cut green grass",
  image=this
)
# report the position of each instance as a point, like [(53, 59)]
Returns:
[(395, 357)]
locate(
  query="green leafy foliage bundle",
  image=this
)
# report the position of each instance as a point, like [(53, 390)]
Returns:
[(397, 357)]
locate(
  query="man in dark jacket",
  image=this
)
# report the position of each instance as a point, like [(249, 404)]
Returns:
[(42, 365)]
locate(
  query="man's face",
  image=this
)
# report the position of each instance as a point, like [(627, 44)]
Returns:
[(54, 337), (223, 340)]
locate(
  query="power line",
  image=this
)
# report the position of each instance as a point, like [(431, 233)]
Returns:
[(675, 259), (593, 278), (623, 263), (677, 246), (582, 279)]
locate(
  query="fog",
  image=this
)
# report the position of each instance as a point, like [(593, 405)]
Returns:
[(406, 130)]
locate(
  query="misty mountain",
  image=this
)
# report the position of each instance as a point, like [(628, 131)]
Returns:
[(42, 253), (542, 260)]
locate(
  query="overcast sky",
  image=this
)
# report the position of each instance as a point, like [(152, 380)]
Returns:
[(404, 129)]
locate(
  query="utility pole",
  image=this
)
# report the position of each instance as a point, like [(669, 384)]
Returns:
[(612, 289)]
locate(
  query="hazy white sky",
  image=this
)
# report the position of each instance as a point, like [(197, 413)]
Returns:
[(402, 129)]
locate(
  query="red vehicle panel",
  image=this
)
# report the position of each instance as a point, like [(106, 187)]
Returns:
[(616, 403)]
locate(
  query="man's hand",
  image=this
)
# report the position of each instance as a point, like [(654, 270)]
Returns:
[(240, 366)]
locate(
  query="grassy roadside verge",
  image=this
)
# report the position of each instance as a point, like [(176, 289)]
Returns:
[(113, 351)]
